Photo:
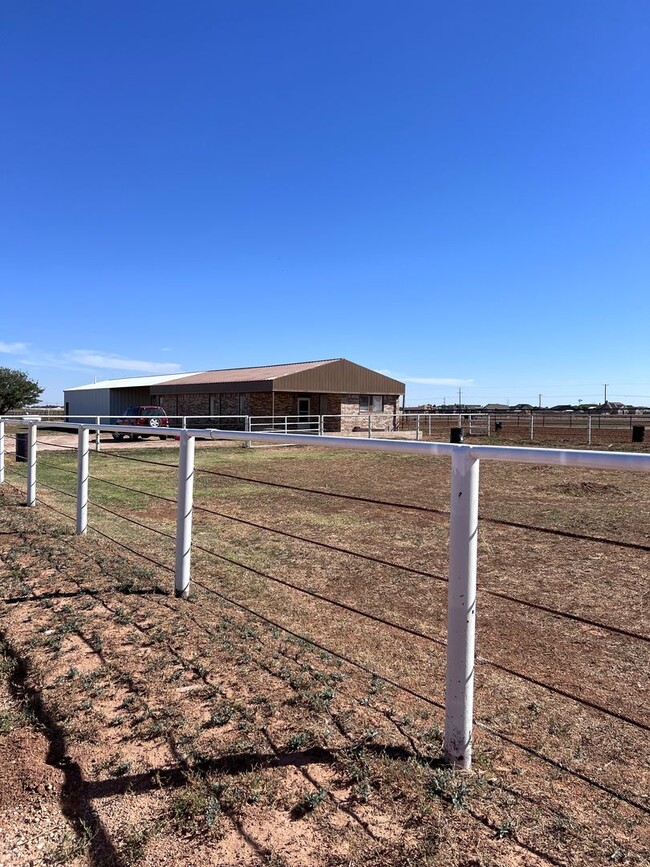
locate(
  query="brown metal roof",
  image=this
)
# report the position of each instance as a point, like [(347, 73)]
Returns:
[(331, 376), (247, 374)]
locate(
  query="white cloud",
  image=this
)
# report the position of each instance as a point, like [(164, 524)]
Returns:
[(86, 360), (12, 348), (94, 359)]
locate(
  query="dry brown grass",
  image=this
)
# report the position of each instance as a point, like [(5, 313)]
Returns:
[(204, 735)]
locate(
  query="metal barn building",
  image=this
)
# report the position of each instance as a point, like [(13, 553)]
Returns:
[(110, 397), (333, 387)]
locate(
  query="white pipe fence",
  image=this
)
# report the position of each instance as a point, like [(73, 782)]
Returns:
[(465, 462), (536, 426)]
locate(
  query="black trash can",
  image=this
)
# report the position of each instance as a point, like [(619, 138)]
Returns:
[(456, 435), (21, 446), (638, 433)]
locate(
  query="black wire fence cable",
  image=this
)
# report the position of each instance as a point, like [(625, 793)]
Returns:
[(326, 545), (322, 647), (132, 521), (137, 460), (413, 571), (322, 598), (417, 633), (578, 699), (131, 550), (43, 463), (133, 490), (496, 593), (58, 491), (480, 660), (561, 766), (637, 546), (493, 732), (488, 729), (56, 445)]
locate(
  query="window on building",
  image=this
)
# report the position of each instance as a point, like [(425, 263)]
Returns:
[(371, 403)]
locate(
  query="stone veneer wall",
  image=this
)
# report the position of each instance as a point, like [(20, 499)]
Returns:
[(357, 421)]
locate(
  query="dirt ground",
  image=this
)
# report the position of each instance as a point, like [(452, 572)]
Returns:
[(142, 729)]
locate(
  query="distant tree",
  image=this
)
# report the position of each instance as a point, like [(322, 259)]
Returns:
[(17, 390)]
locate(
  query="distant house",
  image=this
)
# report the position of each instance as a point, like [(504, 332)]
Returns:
[(303, 390), (496, 407)]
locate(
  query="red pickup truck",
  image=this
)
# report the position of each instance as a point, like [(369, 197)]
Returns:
[(153, 417)]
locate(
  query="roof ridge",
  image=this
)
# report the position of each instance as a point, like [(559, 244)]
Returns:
[(264, 366)]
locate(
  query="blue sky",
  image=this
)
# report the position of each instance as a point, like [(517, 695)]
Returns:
[(454, 193)]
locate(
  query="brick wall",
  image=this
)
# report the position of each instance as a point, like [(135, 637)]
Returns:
[(286, 403)]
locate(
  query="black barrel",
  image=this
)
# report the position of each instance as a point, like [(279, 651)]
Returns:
[(638, 433), (456, 435), (21, 446)]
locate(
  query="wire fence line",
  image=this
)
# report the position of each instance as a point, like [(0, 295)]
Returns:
[(463, 518), (359, 612), (562, 767), (490, 730)]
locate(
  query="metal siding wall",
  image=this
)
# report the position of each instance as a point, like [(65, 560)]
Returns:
[(88, 404), (340, 377), (123, 398)]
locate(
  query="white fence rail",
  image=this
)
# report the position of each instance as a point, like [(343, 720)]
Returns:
[(465, 462), (538, 426)]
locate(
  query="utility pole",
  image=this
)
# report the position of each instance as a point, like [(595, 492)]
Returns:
[(605, 400), (539, 397), (460, 398)]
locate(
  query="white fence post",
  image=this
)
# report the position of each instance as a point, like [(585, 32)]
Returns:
[(589, 429), (532, 427), (247, 425), (83, 449), (184, 516), (2, 452), (461, 608), (488, 424), (417, 427), (98, 434), (31, 464)]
